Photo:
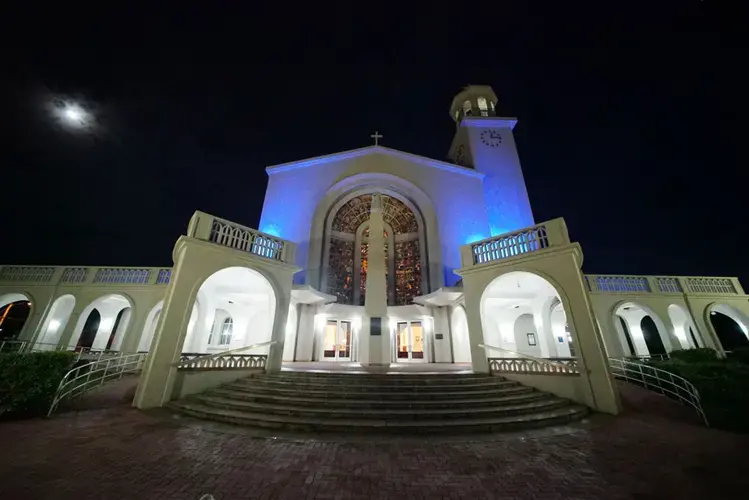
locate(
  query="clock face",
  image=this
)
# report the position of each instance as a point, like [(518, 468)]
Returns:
[(491, 138)]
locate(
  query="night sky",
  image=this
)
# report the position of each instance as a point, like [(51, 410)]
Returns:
[(630, 121)]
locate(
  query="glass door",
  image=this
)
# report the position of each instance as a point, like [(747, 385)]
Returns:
[(337, 341), (410, 341), (344, 341)]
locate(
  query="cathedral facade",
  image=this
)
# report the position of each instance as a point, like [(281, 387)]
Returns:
[(460, 271)]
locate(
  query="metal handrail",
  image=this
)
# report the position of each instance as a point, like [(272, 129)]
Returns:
[(540, 360), (232, 351), (20, 343), (95, 374), (662, 381)]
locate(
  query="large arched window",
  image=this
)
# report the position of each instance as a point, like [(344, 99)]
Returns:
[(348, 247)]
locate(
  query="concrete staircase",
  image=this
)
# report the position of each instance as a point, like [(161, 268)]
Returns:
[(401, 404)]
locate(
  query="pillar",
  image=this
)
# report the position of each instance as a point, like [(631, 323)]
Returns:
[(281, 314), (479, 356), (159, 372), (375, 301)]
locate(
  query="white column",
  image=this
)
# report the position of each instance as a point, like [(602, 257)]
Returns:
[(375, 301)]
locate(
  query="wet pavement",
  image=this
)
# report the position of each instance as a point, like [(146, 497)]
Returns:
[(107, 450)]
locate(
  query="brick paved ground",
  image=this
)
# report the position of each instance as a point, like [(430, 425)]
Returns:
[(120, 453)]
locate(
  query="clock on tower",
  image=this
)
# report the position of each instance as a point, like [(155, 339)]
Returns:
[(485, 141)]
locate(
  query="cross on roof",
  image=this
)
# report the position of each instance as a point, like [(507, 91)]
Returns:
[(376, 136)]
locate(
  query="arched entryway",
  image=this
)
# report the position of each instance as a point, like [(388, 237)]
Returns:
[(564, 346), (516, 317), (98, 325), (15, 309), (684, 328), (239, 309), (460, 340), (152, 321), (640, 330), (55, 323), (731, 326)]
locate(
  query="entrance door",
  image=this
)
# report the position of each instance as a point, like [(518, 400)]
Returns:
[(410, 337), (337, 341)]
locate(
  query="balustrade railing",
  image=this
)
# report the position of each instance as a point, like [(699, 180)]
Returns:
[(530, 365), (78, 275), (661, 381), (662, 284), (525, 366), (225, 360), (230, 234), (189, 361), (84, 378), (517, 243)]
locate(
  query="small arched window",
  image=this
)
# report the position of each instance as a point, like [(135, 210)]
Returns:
[(227, 327), (467, 108), (491, 105)]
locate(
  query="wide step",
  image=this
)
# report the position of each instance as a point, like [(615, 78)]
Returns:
[(423, 403)]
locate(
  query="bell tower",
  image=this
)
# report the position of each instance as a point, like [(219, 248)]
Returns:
[(484, 141)]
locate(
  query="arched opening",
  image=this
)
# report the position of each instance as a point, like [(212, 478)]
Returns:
[(55, 323), (515, 316), (15, 309), (562, 338), (730, 326), (237, 308), (460, 339), (108, 309), (683, 327), (640, 330), (627, 336), (118, 330), (289, 345), (652, 337), (345, 258), (88, 333), (152, 322)]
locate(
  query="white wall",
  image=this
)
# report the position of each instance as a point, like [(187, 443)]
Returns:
[(523, 325), (294, 193)]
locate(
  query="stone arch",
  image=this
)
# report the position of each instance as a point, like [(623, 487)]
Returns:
[(683, 327), (15, 310), (108, 307), (388, 184), (55, 322), (461, 342), (248, 294), (638, 332), (149, 328), (730, 325), (514, 294)]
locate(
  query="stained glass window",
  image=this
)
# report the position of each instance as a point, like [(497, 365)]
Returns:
[(406, 265), (341, 270), (356, 212), (407, 272)]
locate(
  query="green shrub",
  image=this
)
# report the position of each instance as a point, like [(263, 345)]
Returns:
[(723, 390), (700, 355), (28, 381), (740, 355)]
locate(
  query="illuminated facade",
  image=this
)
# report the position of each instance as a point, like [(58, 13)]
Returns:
[(300, 282)]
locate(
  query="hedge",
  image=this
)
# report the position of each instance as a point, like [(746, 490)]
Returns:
[(28, 381), (723, 388)]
